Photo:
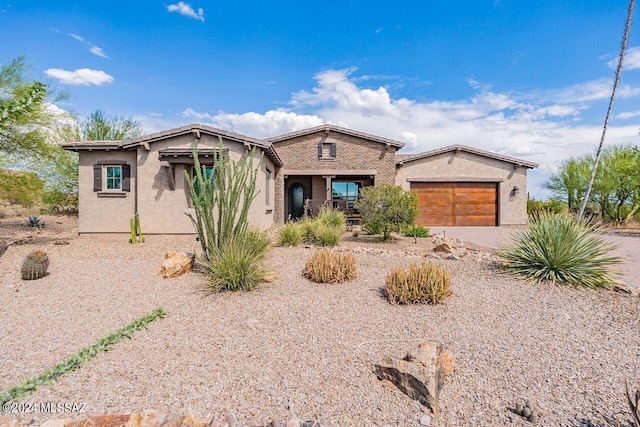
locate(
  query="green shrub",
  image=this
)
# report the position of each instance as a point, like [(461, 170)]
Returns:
[(308, 227), (332, 218), (238, 263), (325, 266), (372, 228), (634, 404), (553, 205), (560, 248), (327, 235), (416, 231), (291, 234), (20, 188), (386, 208), (421, 283)]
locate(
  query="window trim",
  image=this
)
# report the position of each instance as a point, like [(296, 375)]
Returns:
[(267, 193), (105, 179), (333, 150)]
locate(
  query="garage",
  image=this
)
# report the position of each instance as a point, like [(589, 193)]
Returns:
[(456, 203)]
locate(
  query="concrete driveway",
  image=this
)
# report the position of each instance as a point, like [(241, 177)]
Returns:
[(492, 237)]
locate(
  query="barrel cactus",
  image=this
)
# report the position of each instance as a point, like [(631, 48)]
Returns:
[(35, 265)]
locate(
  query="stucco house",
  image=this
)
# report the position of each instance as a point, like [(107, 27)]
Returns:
[(327, 164)]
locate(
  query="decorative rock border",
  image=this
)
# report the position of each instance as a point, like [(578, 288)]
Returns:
[(154, 419)]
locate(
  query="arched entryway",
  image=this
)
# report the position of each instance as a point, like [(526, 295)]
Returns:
[(297, 196)]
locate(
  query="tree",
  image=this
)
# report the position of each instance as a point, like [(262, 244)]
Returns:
[(26, 113), (616, 186), (570, 182), (623, 49), (387, 208)]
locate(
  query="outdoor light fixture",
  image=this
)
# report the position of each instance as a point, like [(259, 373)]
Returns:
[(516, 189)]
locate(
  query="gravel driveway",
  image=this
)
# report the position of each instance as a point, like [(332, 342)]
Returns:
[(299, 347), (492, 237)]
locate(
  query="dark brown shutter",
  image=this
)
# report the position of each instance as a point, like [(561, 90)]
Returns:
[(320, 150), (333, 150), (126, 174), (97, 177)]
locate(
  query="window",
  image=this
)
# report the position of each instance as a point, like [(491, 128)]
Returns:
[(114, 177), (208, 174), (111, 178), (267, 190), (346, 191), (327, 150)]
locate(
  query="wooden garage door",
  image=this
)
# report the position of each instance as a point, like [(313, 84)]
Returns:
[(456, 203)]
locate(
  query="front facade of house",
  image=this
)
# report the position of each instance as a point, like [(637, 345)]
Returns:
[(325, 165)]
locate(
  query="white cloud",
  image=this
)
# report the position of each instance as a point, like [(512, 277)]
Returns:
[(543, 126), (631, 59), (628, 115), (274, 122), (80, 77), (98, 51), (75, 36), (186, 10)]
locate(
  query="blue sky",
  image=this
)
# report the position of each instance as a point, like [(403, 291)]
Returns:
[(526, 79)]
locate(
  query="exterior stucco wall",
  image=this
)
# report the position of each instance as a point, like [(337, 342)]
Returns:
[(353, 153), (104, 214), (512, 208), (163, 211)]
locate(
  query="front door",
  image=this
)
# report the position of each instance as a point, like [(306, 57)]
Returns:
[(297, 196)]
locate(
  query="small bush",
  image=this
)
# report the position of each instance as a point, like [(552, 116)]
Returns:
[(326, 235), (416, 231), (291, 234), (373, 228), (325, 266), (237, 264), (332, 218), (421, 283), (560, 248), (386, 208)]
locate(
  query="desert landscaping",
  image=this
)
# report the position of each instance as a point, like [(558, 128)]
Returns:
[(295, 348)]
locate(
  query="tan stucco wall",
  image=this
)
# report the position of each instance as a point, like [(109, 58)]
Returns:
[(353, 153), (512, 209), (104, 214), (162, 210)]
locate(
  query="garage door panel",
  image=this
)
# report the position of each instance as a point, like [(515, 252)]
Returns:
[(476, 220), (448, 203), (474, 209)]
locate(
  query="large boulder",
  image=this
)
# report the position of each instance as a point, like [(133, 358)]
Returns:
[(420, 374), (176, 264)]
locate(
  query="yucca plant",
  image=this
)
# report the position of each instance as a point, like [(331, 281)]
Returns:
[(634, 404), (421, 283), (238, 263), (308, 227), (291, 234), (561, 248), (325, 266)]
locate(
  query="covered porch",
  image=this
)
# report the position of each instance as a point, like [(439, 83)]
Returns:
[(307, 191)]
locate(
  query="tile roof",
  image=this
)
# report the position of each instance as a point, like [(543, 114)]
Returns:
[(405, 158)]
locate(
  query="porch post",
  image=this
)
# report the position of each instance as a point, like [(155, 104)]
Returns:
[(328, 178)]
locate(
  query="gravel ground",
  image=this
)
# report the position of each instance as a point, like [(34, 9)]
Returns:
[(299, 347)]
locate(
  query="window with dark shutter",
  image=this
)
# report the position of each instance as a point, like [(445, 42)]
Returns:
[(97, 177), (126, 174), (327, 150)]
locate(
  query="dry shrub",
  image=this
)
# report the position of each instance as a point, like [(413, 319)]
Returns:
[(326, 266), (421, 283)]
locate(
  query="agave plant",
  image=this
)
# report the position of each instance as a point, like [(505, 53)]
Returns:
[(561, 248), (35, 221)]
